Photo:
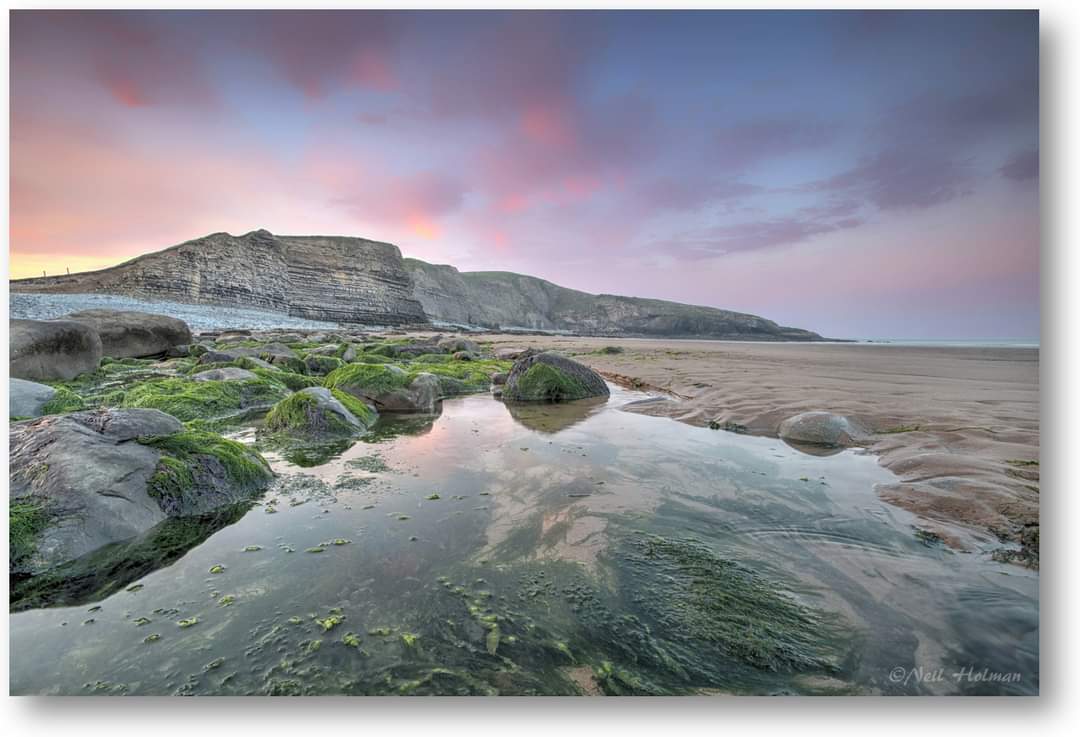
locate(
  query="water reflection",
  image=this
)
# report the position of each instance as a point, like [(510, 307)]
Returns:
[(475, 552), (550, 418)]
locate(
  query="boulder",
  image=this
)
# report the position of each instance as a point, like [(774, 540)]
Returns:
[(318, 365), (388, 388), (227, 373), (273, 350), (87, 479), (453, 344), (549, 377), (509, 354), (52, 349), (464, 356), (329, 349), (179, 351), (217, 357), (28, 398), (499, 378), (822, 429), (129, 334), (316, 413)]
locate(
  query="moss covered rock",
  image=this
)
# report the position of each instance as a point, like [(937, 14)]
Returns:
[(317, 413), (189, 400), (87, 479), (319, 365), (549, 377)]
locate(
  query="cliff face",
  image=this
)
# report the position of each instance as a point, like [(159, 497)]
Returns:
[(314, 277), (354, 280), (505, 300)]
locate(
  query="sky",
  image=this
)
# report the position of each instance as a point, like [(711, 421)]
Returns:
[(859, 174)]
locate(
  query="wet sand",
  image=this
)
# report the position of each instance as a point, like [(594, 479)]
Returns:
[(958, 426)]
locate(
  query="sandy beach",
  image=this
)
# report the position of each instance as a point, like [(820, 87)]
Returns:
[(958, 426)]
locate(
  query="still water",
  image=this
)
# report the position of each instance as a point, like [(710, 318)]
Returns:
[(552, 549)]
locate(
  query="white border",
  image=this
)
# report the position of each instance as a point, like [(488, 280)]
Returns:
[(1049, 713)]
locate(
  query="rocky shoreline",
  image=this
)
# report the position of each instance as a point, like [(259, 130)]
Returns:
[(117, 420)]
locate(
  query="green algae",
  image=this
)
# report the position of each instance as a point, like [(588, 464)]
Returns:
[(365, 379), (152, 638), (190, 400), (330, 621), (351, 639), (189, 622), (186, 458), (545, 383), (433, 497), (322, 365), (302, 415), (361, 410), (292, 381), (140, 621), (709, 599), (64, 400), (27, 519), (217, 569), (315, 549)]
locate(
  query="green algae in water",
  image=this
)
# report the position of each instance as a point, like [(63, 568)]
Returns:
[(217, 569), (189, 622)]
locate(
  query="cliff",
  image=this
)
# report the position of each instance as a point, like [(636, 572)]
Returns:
[(499, 299), (354, 280), (333, 278)]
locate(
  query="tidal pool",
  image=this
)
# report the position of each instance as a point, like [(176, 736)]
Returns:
[(553, 549)]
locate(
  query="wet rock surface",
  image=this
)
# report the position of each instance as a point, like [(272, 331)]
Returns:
[(823, 429)]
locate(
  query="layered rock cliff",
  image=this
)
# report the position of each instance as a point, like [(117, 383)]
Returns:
[(354, 280), (334, 278), (498, 299)]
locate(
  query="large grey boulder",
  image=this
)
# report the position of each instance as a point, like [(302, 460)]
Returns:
[(87, 479), (28, 398), (823, 429), (47, 350), (227, 373), (130, 334), (549, 377)]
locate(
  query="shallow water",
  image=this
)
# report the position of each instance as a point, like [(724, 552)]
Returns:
[(526, 574)]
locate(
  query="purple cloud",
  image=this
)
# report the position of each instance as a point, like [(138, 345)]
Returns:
[(1022, 166)]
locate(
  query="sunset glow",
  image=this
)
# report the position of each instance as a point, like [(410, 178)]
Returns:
[(858, 175)]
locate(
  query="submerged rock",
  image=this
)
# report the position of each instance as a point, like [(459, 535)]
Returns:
[(129, 334), (549, 377), (822, 429), (52, 349), (87, 479), (317, 413)]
